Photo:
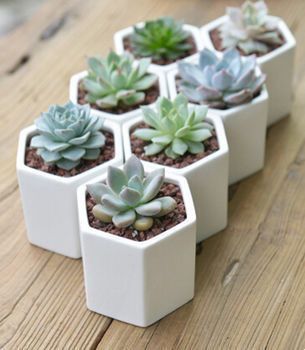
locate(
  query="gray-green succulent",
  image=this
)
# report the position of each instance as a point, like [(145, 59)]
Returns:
[(250, 29), (221, 82), (129, 197), (117, 80), (175, 127), (68, 134), (163, 38)]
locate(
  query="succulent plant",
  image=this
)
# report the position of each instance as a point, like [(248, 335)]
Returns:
[(117, 79), (176, 127), (129, 197), (163, 38), (68, 134), (221, 82), (250, 29)]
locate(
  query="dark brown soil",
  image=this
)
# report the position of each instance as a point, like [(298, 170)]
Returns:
[(151, 96), (160, 225), (190, 40), (217, 42), (33, 160), (137, 147)]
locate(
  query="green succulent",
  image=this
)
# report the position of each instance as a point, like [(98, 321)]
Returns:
[(68, 134), (163, 38), (117, 79), (129, 197), (176, 127)]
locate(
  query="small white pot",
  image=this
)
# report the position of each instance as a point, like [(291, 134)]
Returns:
[(278, 65), (139, 282), (194, 31), (245, 127), (119, 118), (49, 201), (208, 180)]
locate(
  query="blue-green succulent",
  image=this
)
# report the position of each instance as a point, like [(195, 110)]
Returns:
[(129, 197), (175, 127), (221, 82), (67, 134)]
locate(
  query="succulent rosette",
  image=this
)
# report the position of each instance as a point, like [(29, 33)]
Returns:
[(67, 134), (221, 82), (163, 38), (175, 127), (117, 80), (129, 197), (250, 29)]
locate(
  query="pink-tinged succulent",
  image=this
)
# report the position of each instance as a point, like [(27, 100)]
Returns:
[(250, 29), (224, 82)]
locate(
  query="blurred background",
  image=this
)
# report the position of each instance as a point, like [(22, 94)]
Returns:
[(15, 12)]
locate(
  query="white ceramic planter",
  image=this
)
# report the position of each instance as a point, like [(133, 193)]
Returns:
[(119, 118), (139, 282), (278, 65), (122, 34), (245, 128), (208, 180), (49, 201)]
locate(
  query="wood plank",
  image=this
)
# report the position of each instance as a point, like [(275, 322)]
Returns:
[(249, 280)]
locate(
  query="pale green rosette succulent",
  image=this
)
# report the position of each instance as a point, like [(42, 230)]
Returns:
[(250, 29), (163, 38), (129, 197), (68, 134), (224, 82), (176, 127), (117, 80)]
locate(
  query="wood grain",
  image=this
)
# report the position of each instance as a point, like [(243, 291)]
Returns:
[(250, 289)]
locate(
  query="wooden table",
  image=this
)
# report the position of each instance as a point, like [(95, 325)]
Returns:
[(250, 278)]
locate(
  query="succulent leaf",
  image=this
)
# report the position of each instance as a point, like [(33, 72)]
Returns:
[(228, 81), (163, 38), (129, 198), (117, 80), (116, 179), (66, 133), (175, 127), (168, 204), (250, 29), (143, 223)]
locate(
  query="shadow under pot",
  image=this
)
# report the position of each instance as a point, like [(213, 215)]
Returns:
[(48, 193)]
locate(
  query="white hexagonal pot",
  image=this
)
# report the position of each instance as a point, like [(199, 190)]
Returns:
[(49, 201), (208, 180), (139, 282), (245, 128), (194, 31), (278, 65), (119, 118)]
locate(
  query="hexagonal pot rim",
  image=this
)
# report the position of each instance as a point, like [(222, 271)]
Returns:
[(193, 30), (172, 90), (169, 177), (29, 131), (213, 118), (290, 41), (120, 118)]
